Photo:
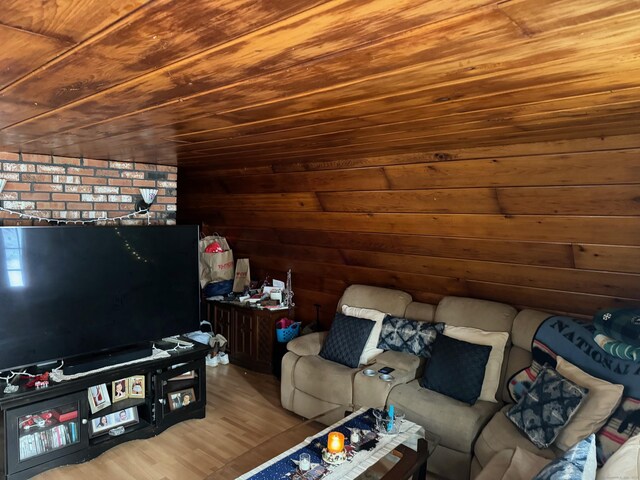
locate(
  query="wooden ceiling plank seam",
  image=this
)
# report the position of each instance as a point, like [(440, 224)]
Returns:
[(36, 34), (244, 38)]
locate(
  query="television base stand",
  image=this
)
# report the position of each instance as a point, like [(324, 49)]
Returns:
[(87, 363)]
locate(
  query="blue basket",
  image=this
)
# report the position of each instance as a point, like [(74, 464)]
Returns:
[(283, 335)]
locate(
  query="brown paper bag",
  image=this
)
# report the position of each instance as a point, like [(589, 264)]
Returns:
[(243, 275), (215, 267)]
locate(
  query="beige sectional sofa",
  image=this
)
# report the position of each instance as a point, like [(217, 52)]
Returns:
[(312, 385)]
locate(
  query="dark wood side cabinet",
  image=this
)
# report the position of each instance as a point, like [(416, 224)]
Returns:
[(50, 427), (251, 333)]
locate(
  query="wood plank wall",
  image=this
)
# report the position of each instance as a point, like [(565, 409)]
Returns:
[(551, 226)]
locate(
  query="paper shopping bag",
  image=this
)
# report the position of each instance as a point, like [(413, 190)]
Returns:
[(216, 260), (243, 275)]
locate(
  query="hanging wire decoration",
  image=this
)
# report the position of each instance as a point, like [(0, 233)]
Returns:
[(142, 208)]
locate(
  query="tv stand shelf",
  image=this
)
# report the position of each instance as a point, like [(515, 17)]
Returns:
[(30, 449)]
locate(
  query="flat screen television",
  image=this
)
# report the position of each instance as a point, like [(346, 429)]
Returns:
[(73, 291)]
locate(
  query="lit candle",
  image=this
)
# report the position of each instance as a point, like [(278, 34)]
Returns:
[(335, 443)]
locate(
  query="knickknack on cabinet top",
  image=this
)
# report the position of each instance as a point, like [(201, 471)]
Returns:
[(76, 420)]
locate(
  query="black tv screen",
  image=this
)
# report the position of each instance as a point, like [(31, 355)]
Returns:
[(69, 291)]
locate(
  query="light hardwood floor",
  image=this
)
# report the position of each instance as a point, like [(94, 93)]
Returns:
[(243, 410)]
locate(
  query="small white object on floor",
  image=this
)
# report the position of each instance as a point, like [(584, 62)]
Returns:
[(212, 361), (224, 358)]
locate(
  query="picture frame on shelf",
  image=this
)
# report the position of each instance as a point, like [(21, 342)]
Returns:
[(98, 396), (120, 390), (103, 423), (136, 386), (181, 398), (184, 376)]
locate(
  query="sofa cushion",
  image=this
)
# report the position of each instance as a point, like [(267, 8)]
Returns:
[(625, 463), (601, 402), (518, 464), (500, 434), (325, 380), (578, 463), (456, 423), (346, 340), (371, 349), (498, 343), (410, 336), (456, 369), (471, 312), (547, 407)]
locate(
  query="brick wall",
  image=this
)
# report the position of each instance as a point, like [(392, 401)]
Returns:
[(82, 189)]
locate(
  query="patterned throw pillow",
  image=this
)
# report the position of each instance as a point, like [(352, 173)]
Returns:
[(547, 407), (578, 463), (410, 336), (456, 369), (346, 340)]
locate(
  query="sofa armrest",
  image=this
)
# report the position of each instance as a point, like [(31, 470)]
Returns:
[(306, 345)]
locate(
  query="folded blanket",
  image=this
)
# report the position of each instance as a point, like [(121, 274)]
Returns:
[(616, 348)]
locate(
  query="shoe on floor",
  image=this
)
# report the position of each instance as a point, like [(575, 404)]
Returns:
[(212, 361), (224, 358)]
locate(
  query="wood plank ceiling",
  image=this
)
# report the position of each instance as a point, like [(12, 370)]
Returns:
[(220, 82), (488, 148)]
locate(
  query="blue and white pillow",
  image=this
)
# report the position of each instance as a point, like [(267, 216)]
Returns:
[(410, 336), (578, 463), (547, 407)]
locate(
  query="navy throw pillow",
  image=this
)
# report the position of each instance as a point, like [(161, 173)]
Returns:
[(346, 340), (410, 336), (456, 369)]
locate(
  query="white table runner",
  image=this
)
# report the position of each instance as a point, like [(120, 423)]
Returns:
[(361, 461)]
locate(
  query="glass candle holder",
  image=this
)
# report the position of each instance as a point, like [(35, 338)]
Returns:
[(335, 442), (305, 462)]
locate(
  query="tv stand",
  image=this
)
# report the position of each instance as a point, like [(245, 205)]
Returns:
[(86, 363), (46, 428)]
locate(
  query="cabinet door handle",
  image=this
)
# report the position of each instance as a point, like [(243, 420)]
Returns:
[(162, 401), (84, 421)]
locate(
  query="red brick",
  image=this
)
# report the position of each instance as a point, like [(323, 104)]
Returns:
[(79, 206), (160, 199), (120, 182), (167, 168), (94, 181), (172, 176), (47, 187), (9, 157), (80, 171), (66, 161), (52, 205), (37, 177), (65, 214), (9, 195), (89, 162), (146, 166), (66, 197), (130, 191), (18, 167), (108, 173), (34, 196), (144, 183), (165, 184), (35, 158)]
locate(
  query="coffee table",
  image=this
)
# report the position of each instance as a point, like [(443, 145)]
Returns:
[(402, 462)]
